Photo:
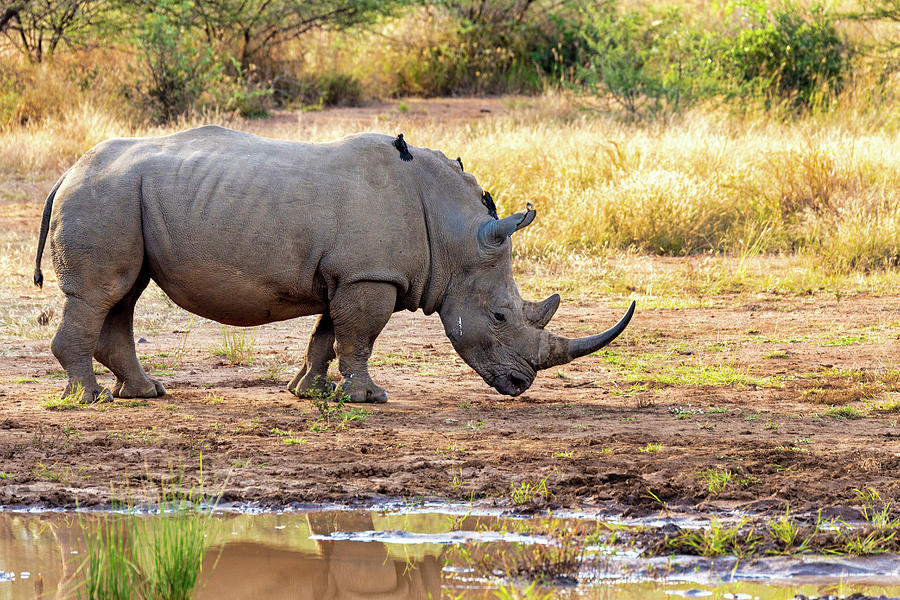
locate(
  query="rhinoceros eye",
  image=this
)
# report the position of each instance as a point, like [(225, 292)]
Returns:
[(500, 317)]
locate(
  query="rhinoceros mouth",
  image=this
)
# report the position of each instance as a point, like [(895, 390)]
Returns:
[(512, 383)]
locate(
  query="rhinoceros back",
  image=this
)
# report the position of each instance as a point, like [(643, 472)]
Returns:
[(248, 230)]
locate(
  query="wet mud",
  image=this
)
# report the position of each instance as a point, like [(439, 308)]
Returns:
[(418, 555)]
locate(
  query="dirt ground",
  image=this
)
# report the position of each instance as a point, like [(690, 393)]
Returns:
[(444, 433), (744, 389)]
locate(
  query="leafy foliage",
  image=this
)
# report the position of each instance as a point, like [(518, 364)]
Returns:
[(178, 66), (645, 61), (37, 27), (786, 55)]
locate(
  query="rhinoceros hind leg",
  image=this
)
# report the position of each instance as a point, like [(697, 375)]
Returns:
[(312, 380), (360, 311), (73, 345), (115, 348)]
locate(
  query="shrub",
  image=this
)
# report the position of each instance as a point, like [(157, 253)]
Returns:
[(464, 56), (316, 90), (785, 55), (30, 93), (9, 102), (643, 60), (474, 47), (245, 93), (179, 67), (337, 89)]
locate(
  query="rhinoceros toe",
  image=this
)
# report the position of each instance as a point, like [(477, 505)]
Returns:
[(371, 394), (308, 385), (149, 388)]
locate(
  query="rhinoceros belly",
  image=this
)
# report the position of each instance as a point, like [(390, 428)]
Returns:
[(231, 301), (233, 249)]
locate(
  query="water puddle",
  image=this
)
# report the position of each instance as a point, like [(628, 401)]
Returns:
[(425, 553)]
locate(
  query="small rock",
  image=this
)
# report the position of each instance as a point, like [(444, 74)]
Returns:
[(142, 341)]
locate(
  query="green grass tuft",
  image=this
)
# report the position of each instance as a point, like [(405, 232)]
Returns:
[(844, 412), (237, 345)]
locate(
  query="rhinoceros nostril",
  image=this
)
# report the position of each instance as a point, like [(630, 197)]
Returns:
[(517, 381)]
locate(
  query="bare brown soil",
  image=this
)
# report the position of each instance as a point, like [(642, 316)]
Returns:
[(742, 386), (444, 433)]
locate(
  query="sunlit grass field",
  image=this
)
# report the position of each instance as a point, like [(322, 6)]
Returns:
[(674, 211)]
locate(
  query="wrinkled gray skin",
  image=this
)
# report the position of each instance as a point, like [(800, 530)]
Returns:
[(246, 230)]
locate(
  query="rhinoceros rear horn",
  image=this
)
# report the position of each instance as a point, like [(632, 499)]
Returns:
[(493, 233), (538, 314), (556, 350)]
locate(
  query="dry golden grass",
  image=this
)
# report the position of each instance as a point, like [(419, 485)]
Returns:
[(760, 204)]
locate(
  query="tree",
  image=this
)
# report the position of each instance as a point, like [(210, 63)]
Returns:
[(252, 29), (9, 13), (37, 27)]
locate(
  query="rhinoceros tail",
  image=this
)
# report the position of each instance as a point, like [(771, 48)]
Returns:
[(402, 148), (45, 227)]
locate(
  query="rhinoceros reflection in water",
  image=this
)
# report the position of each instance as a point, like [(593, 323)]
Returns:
[(261, 561), (341, 570)]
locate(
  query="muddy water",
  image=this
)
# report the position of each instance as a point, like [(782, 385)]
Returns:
[(414, 555)]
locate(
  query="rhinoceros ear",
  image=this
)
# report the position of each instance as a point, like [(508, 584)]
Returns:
[(493, 233)]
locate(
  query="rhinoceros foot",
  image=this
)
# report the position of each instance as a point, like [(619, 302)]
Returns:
[(86, 393), (362, 392), (147, 388), (311, 385)]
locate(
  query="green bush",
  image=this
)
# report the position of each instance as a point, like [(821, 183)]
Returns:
[(9, 103), (476, 47), (472, 62), (785, 55), (244, 93), (339, 89), (645, 61), (179, 66)]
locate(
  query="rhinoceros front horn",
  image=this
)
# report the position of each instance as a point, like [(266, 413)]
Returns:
[(557, 350), (538, 314), (494, 232)]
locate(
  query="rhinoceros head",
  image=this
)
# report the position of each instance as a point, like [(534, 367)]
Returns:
[(497, 333)]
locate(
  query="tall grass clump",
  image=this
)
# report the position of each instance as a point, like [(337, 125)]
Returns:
[(147, 557), (237, 345), (108, 569), (172, 556)]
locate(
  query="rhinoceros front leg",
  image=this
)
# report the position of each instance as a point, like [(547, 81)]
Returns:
[(312, 380), (359, 312)]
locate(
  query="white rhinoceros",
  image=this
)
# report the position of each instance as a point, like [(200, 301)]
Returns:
[(247, 230)]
